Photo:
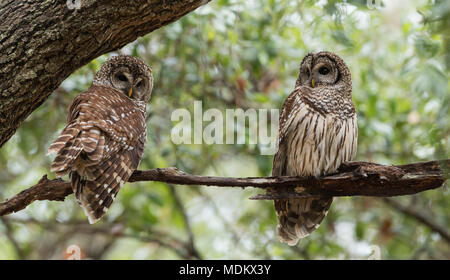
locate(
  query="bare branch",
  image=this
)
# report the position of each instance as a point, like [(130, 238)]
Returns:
[(352, 179), (115, 230), (179, 204), (12, 239), (420, 217)]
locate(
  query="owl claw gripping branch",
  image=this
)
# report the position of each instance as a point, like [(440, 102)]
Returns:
[(103, 141)]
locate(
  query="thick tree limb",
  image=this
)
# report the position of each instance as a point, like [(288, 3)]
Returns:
[(352, 179), (43, 42)]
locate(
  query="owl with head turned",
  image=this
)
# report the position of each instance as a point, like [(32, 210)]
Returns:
[(318, 132), (105, 135)]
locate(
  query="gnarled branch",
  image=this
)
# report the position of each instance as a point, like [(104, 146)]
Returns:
[(352, 179)]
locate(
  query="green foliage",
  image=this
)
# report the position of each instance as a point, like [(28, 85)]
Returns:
[(246, 54)]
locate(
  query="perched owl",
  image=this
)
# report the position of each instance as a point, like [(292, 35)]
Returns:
[(318, 132), (103, 141)]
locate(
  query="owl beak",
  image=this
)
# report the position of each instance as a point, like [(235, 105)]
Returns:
[(313, 83), (130, 92)]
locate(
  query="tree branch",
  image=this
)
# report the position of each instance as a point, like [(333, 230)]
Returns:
[(419, 216), (352, 179), (115, 230), (192, 249), (12, 239), (43, 42)]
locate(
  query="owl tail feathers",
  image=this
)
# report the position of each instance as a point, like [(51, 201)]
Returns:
[(94, 203), (67, 148), (299, 217)]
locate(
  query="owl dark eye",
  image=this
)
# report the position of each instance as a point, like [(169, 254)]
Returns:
[(139, 84), (324, 70), (122, 77)]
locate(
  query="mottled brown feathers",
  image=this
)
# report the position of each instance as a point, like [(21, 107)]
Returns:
[(103, 141), (318, 131)]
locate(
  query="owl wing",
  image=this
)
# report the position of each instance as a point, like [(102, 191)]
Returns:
[(291, 106), (101, 146), (96, 195)]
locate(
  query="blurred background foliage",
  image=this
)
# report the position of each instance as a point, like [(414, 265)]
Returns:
[(246, 54)]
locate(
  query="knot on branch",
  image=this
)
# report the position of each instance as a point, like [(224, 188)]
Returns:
[(366, 169)]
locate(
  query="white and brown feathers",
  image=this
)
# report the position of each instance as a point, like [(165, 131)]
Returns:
[(103, 141), (318, 131)]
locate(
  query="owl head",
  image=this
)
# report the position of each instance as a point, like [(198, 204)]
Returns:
[(325, 69), (127, 74)]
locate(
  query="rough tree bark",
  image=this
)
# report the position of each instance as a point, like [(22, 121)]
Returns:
[(43, 41)]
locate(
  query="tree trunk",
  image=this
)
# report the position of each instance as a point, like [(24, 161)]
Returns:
[(43, 41)]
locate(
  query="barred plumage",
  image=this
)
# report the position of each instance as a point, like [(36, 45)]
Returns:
[(103, 141), (318, 132)]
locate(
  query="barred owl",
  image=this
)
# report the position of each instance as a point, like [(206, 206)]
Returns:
[(318, 132), (104, 138)]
